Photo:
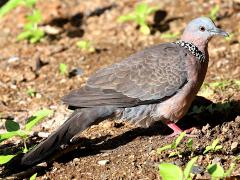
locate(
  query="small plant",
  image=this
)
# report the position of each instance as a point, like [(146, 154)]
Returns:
[(213, 147), (63, 69), (170, 35), (190, 144), (13, 129), (230, 37), (214, 12), (170, 171), (139, 16), (172, 146), (31, 92), (85, 46), (12, 4), (33, 177), (217, 172), (31, 31)]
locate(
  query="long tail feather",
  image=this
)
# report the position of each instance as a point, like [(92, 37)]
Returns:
[(77, 122)]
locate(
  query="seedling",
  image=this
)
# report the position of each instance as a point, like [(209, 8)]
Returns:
[(85, 46), (172, 146), (139, 16), (31, 92), (230, 37), (63, 69), (12, 4), (33, 177), (190, 144), (31, 31), (170, 35), (214, 12), (217, 172), (170, 171), (213, 147), (13, 130)]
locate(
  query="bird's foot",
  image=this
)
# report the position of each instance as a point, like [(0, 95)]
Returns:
[(177, 130)]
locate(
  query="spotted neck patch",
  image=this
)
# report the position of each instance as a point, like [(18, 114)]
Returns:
[(193, 49)]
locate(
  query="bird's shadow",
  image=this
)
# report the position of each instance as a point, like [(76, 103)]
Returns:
[(208, 114)]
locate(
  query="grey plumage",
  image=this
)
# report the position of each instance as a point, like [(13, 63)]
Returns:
[(158, 83)]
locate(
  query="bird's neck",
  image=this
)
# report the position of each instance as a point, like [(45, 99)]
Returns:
[(201, 44)]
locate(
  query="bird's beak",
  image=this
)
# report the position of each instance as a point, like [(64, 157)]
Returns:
[(217, 31)]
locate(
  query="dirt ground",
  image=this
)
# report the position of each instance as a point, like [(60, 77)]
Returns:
[(130, 152)]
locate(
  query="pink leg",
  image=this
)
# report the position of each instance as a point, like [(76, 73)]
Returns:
[(174, 127), (177, 130)]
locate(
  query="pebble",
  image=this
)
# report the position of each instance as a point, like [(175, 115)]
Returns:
[(234, 146), (103, 162), (13, 59), (216, 160)]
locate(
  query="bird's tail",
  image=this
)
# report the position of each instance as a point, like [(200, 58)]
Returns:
[(77, 122)]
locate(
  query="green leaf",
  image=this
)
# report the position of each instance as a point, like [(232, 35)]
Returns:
[(33, 177), (170, 171), (216, 170), (23, 35), (141, 8), (214, 144), (230, 170), (159, 150), (145, 29), (83, 44), (35, 17), (214, 12), (125, 18), (190, 143), (9, 135), (152, 10), (63, 68), (31, 92), (10, 5), (218, 147), (5, 158), (36, 36), (189, 167), (208, 148), (173, 154), (178, 139), (11, 125), (169, 35), (29, 3), (37, 117)]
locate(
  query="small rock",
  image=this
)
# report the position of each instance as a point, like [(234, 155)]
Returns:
[(107, 124), (234, 146), (216, 160), (103, 162), (205, 128), (76, 160), (52, 30), (13, 59), (197, 170)]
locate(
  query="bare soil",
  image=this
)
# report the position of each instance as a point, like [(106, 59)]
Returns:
[(130, 152)]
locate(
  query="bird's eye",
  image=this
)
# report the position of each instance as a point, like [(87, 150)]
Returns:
[(202, 28)]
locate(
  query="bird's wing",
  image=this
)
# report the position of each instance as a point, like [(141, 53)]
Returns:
[(151, 75)]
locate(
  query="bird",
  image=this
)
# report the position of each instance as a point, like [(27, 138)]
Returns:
[(157, 83)]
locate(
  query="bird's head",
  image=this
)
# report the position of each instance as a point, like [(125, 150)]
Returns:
[(200, 30)]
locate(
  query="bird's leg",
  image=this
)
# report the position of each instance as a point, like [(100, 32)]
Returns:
[(177, 130)]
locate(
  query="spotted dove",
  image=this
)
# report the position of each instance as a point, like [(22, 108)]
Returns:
[(158, 83)]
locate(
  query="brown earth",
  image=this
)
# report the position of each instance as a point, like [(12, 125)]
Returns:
[(130, 152)]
